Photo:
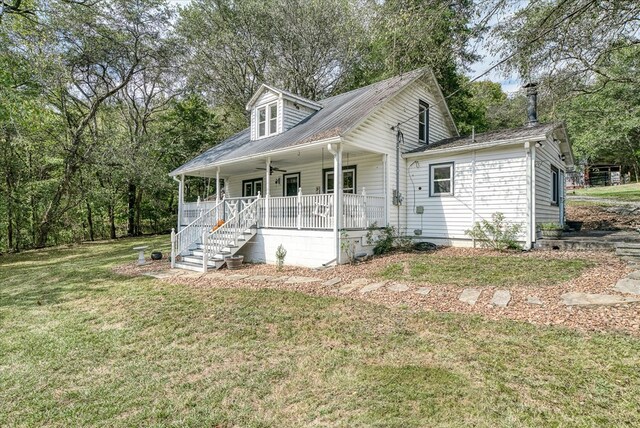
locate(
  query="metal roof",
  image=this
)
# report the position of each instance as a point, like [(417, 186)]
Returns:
[(338, 115), (484, 138)]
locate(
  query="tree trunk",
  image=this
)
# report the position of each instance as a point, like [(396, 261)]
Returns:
[(138, 214), (131, 205), (90, 221), (112, 221)]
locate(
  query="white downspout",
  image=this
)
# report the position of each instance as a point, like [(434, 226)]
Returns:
[(527, 147), (337, 197)]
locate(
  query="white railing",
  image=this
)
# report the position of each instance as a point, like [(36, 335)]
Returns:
[(361, 211), (316, 211), (227, 235), (191, 233), (194, 210)]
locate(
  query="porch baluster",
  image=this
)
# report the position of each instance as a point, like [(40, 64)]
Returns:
[(299, 216), (364, 208)]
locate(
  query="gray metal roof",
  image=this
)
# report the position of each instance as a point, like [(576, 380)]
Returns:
[(338, 115), (501, 135)]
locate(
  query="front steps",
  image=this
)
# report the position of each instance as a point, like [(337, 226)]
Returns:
[(628, 251), (193, 260)]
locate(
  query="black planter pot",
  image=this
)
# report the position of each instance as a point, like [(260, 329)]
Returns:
[(156, 255)]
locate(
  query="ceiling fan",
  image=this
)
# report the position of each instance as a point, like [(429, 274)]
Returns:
[(271, 169)]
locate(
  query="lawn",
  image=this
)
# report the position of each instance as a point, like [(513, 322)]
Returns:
[(625, 192), (81, 346), (500, 270)]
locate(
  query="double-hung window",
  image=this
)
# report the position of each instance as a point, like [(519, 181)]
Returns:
[(441, 177), (267, 120), (423, 122)]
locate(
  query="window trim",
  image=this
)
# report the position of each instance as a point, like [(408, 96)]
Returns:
[(267, 119), (555, 187), (344, 168), (284, 182), (252, 181), (423, 108), (452, 168)]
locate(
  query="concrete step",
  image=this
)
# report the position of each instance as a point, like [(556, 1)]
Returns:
[(628, 252), (574, 244), (628, 245), (189, 266), (198, 260)]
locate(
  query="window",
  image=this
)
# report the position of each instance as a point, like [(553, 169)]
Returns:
[(423, 122), (269, 123), (555, 186), (441, 179), (251, 187), (348, 180), (291, 184)]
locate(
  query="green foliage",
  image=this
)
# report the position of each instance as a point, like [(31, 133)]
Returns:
[(348, 246), (497, 234), (550, 226), (281, 253)]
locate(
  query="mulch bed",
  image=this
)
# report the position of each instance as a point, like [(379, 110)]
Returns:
[(607, 270)]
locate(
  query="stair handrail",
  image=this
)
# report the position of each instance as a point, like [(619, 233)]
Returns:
[(192, 233), (230, 231)]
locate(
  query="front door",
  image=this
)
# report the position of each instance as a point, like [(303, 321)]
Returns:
[(251, 187), (291, 184)]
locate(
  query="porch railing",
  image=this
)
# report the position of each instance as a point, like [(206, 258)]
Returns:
[(194, 210), (228, 234), (191, 234), (316, 211)]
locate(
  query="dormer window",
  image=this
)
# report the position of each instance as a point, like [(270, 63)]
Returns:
[(268, 120)]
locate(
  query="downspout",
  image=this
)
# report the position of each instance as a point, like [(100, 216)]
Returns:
[(527, 148), (337, 197), (180, 199)]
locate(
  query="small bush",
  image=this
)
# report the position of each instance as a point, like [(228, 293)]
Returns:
[(497, 234), (387, 240), (281, 253), (348, 246)]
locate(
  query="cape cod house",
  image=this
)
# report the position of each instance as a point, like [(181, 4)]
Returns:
[(400, 163)]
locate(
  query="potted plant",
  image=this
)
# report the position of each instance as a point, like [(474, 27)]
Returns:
[(234, 262), (156, 255), (551, 230)]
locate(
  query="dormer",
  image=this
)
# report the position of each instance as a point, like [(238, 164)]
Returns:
[(274, 111)]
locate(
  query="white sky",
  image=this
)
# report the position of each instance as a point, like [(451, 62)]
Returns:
[(510, 84)]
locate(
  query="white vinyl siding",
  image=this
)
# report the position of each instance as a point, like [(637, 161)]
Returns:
[(263, 102), (499, 186), (294, 113), (548, 156), (369, 175)]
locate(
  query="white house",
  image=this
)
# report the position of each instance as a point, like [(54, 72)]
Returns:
[(402, 164)]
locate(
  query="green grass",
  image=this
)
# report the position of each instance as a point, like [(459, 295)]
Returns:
[(625, 192), (485, 270), (81, 346)]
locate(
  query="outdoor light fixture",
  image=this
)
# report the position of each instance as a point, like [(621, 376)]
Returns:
[(539, 145)]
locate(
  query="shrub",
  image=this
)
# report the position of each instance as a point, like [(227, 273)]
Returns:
[(497, 233), (348, 246), (281, 253), (550, 226), (387, 240)]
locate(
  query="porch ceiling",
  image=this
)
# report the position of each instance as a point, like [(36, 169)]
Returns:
[(287, 160)]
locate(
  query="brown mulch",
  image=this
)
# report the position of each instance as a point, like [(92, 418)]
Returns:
[(604, 217), (607, 270)]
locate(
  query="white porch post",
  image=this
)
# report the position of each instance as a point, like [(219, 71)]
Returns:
[(217, 193), (267, 193), (337, 196), (364, 208), (299, 205), (180, 201)]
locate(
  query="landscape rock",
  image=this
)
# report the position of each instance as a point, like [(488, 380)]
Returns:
[(470, 296), (634, 275), (628, 285), (332, 282), (398, 287), (301, 280), (424, 291), (534, 300), (347, 288), (372, 287), (501, 298), (587, 299)]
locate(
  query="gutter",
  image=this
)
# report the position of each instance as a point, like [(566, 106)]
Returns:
[(473, 147)]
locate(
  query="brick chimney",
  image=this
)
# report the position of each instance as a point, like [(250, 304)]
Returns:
[(532, 103)]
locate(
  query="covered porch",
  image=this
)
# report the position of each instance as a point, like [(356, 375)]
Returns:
[(297, 190)]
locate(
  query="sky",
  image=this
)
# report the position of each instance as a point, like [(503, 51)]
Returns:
[(510, 84)]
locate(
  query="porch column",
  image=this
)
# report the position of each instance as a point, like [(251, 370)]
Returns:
[(180, 201), (267, 193), (217, 192), (337, 196)]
